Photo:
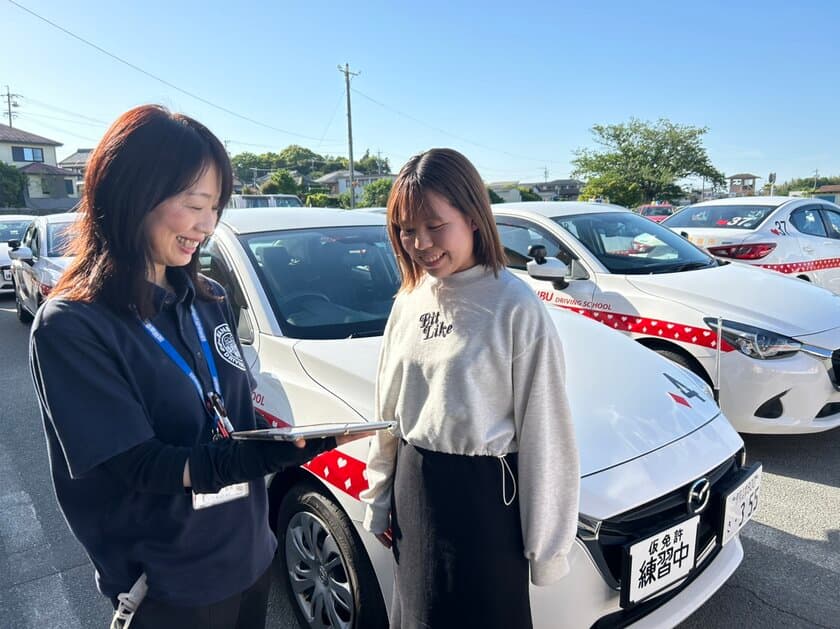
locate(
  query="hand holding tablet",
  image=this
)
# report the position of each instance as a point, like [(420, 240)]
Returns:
[(315, 431)]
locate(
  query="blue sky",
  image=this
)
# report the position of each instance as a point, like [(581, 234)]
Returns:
[(515, 86)]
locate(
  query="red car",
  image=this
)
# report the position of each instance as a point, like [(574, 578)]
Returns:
[(656, 212)]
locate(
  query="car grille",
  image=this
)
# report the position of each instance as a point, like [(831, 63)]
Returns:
[(668, 510), (835, 365)]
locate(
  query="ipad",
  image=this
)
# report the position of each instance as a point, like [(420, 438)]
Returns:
[(310, 431)]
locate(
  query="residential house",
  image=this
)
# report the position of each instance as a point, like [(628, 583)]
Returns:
[(828, 193), (49, 187), (742, 185), (338, 182), (556, 190), (507, 190)]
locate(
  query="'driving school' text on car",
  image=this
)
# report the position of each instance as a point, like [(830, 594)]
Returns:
[(665, 484)]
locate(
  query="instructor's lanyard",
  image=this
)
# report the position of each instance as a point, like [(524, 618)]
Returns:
[(211, 399)]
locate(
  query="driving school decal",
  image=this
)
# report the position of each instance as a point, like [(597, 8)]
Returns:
[(226, 346)]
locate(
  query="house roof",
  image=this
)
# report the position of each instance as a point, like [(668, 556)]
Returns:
[(743, 176), (79, 158), (345, 174), (549, 186), (37, 168), (9, 134), (829, 188)]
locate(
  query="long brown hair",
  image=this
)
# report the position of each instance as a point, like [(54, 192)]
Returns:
[(147, 156), (451, 175)]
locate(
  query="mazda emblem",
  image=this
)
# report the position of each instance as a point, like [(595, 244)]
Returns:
[(698, 496)]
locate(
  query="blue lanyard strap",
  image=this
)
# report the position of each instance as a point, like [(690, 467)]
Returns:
[(212, 401)]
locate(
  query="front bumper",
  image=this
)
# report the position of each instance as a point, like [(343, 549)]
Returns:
[(795, 394)]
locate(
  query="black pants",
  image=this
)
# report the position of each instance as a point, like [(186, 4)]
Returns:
[(241, 611), (458, 547)]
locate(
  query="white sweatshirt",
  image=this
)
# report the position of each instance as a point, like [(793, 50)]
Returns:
[(472, 365)]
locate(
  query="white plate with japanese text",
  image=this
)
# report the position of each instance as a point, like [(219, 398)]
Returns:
[(659, 561), (740, 504)]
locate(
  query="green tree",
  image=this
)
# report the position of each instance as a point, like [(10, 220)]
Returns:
[(301, 159), (494, 198), (804, 183), (372, 165), (642, 161), (280, 182), (320, 199), (527, 195), (375, 194), (344, 200), (12, 184)]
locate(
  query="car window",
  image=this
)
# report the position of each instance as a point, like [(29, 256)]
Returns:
[(833, 222), (808, 221), (35, 241), (327, 283), (627, 243), (58, 237), (12, 230), (517, 239), (721, 216), (211, 262)]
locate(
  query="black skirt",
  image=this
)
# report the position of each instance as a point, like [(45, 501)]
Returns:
[(457, 546)]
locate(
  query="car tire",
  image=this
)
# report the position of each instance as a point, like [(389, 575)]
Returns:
[(328, 575), (23, 314), (682, 361)]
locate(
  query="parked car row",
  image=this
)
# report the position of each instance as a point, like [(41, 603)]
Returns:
[(12, 227), (666, 485)]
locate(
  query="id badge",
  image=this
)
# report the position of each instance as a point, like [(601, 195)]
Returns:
[(226, 494)]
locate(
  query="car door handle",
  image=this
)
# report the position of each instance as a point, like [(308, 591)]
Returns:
[(808, 249)]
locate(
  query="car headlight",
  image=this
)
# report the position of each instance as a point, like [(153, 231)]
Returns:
[(755, 342)]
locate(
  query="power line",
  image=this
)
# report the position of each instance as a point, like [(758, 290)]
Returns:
[(66, 112), (157, 78), (75, 135), (26, 114), (452, 135)]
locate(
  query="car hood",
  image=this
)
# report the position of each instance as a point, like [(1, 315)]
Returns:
[(624, 398), (747, 294)]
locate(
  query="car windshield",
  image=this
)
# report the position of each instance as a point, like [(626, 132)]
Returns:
[(327, 283), (626, 243), (720, 216), (58, 237), (656, 211), (12, 230)]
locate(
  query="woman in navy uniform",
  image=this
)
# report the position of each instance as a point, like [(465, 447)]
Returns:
[(141, 379)]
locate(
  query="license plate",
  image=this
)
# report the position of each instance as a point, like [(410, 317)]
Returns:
[(658, 561), (7, 275), (741, 503)]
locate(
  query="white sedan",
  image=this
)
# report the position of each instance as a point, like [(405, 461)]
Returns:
[(797, 237), (38, 260), (664, 490), (775, 361), (12, 228)]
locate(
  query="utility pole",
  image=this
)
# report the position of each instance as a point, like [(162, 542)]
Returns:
[(816, 175), (545, 174), (378, 162), (347, 74), (10, 102)]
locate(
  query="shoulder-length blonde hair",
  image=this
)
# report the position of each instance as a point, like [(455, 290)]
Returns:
[(451, 175)]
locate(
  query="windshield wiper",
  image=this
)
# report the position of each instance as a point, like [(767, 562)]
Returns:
[(688, 266)]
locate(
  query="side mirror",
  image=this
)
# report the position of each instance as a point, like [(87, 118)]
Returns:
[(24, 254), (14, 244)]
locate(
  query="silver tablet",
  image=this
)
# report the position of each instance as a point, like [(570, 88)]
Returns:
[(310, 431)]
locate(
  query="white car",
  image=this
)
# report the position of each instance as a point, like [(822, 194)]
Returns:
[(777, 365), (12, 228), (312, 290), (38, 260), (797, 237)]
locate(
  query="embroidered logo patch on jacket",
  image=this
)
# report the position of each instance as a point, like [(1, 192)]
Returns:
[(226, 346)]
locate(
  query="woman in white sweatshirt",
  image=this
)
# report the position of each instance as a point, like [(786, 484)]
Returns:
[(479, 482)]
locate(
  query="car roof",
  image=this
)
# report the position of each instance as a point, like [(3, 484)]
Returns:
[(264, 219), (766, 200), (16, 217), (65, 217), (558, 208)]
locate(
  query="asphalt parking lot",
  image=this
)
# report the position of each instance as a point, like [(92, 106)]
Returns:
[(790, 576)]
